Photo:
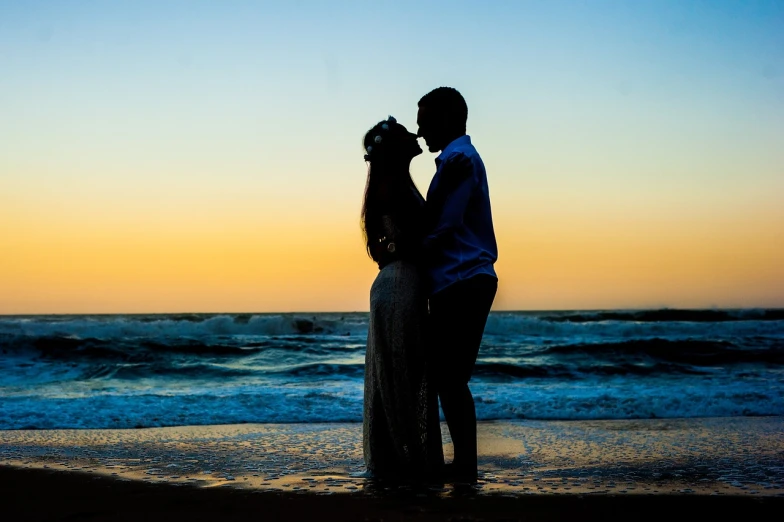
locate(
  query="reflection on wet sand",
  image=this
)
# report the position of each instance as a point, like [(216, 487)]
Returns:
[(729, 456)]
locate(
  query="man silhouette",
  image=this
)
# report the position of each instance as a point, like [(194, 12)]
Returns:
[(460, 250)]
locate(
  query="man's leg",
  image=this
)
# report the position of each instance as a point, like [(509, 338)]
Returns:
[(458, 315)]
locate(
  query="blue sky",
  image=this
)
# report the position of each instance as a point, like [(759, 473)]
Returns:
[(146, 115)]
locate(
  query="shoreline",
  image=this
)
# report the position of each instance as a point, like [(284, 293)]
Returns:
[(529, 470), (707, 456)]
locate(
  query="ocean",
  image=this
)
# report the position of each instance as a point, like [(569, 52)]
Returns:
[(132, 371)]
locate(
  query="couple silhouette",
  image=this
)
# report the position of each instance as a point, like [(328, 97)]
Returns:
[(431, 298)]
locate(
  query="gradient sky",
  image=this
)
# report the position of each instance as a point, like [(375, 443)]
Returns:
[(161, 156)]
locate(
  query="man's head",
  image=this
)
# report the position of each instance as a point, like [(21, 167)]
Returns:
[(442, 117)]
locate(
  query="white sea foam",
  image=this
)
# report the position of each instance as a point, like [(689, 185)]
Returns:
[(127, 371), (342, 402)]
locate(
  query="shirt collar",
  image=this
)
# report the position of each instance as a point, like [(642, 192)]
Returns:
[(465, 139)]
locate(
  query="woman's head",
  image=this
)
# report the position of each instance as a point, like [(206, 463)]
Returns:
[(389, 149), (390, 143)]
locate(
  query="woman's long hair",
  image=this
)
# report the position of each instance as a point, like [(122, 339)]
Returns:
[(389, 189)]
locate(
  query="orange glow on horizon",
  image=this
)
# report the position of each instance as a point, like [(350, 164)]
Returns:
[(238, 267)]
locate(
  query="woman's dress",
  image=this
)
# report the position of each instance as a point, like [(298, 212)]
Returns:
[(401, 430)]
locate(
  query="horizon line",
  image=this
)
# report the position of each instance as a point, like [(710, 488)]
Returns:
[(553, 310)]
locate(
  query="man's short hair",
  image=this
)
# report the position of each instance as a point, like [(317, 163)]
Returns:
[(448, 104)]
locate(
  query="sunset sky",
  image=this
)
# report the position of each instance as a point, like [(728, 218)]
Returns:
[(160, 156)]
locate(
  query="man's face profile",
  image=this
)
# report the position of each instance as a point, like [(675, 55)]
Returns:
[(426, 129)]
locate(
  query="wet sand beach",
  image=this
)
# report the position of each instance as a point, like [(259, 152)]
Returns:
[(529, 470)]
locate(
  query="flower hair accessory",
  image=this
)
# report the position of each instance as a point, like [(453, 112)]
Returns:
[(378, 138)]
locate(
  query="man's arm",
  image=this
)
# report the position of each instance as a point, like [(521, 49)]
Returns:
[(450, 200)]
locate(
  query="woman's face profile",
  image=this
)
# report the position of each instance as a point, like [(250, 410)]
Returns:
[(408, 141)]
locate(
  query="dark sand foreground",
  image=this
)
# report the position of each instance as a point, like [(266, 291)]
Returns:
[(530, 470)]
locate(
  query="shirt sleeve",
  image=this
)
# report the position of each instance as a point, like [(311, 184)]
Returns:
[(457, 181)]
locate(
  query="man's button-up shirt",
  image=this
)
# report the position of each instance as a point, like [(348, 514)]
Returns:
[(461, 240)]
